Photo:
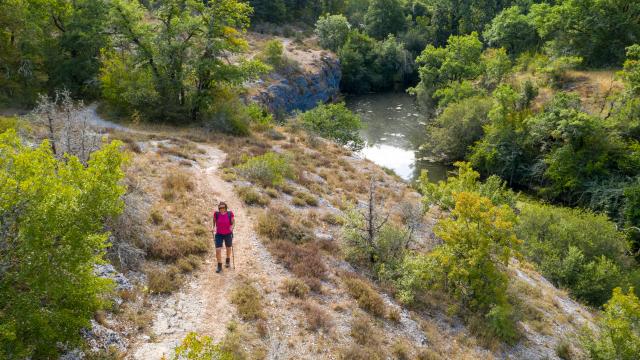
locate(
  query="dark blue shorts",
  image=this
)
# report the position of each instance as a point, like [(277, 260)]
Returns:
[(227, 238)]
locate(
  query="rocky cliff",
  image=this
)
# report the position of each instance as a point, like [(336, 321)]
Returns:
[(301, 89)]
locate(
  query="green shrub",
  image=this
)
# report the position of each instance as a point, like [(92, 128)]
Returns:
[(269, 169), (12, 122), (575, 249), (619, 335), (335, 122), (332, 31), (273, 54), (196, 347), (251, 196), (229, 116), (260, 118), (458, 127), (466, 180), (53, 215), (500, 323)]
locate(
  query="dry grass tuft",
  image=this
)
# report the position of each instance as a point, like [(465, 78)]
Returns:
[(175, 183), (401, 350), (188, 264), (172, 248), (317, 317), (303, 260), (394, 315), (332, 219), (363, 331), (280, 223), (296, 287), (368, 299), (140, 318), (163, 281), (359, 352), (248, 301)]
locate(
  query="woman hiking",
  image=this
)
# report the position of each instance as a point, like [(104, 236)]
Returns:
[(223, 222)]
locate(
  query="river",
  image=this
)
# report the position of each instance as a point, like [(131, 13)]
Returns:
[(393, 131)]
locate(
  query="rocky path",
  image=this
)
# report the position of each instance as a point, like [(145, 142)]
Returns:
[(203, 304)]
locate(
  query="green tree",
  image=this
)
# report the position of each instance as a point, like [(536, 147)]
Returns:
[(356, 61), (384, 17), (335, 122), (458, 127), (273, 54), (52, 216), (503, 150), (273, 11), (619, 333), (596, 30), (459, 60), (50, 44), (332, 31), (512, 30), (461, 17), (478, 241), (183, 46)]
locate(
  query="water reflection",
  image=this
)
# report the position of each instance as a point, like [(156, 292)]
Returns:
[(394, 130)]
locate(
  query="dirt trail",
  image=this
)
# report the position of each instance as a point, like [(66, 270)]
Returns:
[(203, 304)]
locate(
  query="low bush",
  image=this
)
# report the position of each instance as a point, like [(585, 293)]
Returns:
[(359, 352), (368, 299), (141, 318), (575, 249), (335, 122), (261, 118), (317, 317), (305, 198), (251, 196), (363, 332), (401, 350), (296, 287), (188, 264), (269, 169), (171, 248), (563, 350), (176, 183), (163, 281), (332, 219), (394, 315), (196, 347), (248, 301), (12, 122), (303, 260), (280, 223), (273, 193)]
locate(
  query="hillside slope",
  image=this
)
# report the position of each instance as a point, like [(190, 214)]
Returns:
[(326, 322)]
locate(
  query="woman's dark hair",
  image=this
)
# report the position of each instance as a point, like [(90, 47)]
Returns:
[(222, 203)]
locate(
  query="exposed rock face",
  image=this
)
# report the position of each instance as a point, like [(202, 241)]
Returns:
[(302, 90)]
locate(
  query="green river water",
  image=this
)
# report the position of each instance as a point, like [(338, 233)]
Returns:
[(394, 130)]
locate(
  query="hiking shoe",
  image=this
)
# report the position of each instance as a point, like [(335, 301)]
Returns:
[(227, 263), (219, 269)]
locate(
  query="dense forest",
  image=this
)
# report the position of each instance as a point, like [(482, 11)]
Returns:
[(540, 175)]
